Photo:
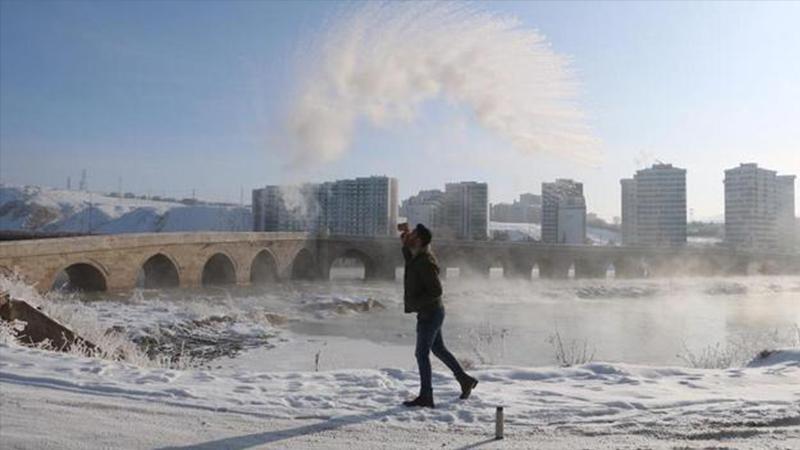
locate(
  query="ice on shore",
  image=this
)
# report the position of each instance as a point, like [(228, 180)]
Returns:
[(785, 356), (606, 291), (325, 305)]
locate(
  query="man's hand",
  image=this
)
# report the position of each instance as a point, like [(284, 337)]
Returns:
[(404, 233)]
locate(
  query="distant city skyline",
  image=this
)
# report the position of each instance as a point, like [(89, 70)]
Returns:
[(173, 99)]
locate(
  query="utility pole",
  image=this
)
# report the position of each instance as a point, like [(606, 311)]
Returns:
[(242, 210), (83, 186), (90, 212), (69, 183)]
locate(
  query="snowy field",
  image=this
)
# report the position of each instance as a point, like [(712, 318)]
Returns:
[(595, 404)]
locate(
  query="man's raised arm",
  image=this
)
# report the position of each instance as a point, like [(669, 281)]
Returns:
[(404, 234)]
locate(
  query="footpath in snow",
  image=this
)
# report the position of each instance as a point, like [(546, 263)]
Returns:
[(752, 406)]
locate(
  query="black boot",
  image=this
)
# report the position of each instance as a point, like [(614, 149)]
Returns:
[(467, 385), (423, 401)]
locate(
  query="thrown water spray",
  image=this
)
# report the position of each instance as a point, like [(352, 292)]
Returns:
[(377, 62)]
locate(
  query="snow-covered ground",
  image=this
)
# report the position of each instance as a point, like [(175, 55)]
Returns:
[(755, 407), (36, 208)]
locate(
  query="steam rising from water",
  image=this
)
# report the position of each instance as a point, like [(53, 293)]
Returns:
[(379, 61)]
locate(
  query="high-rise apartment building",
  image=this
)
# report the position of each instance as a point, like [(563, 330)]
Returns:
[(787, 232), (427, 208), (359, 207), (563, 212), (466, 210), (629, 211), (460, 212), (287, 208), (759, 208), (362, 206), (654, 206), (528, 209)]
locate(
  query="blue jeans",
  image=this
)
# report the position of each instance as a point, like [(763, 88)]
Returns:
[(429, 338)]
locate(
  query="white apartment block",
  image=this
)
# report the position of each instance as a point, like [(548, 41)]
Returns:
[(427, 208), (654, 206), (787, 231), (629, 211), (466, 210), (563, 212), (358, 207), (759, 208), (461, 211)]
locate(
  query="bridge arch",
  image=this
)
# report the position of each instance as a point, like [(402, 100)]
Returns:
[(158, 271), (545, 267), (303, 265), (83, 276), (536, 270), (572, 269), (346, 257), (610, 270), (700, 265), (448, 265), (590, 267), (459, 262), (263, 268), (763, 267), (219, 269), (559, 268), (629, 267)]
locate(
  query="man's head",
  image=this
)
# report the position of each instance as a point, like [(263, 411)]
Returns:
[(422, 235)]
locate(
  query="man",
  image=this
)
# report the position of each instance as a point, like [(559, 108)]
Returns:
[(423, 295)]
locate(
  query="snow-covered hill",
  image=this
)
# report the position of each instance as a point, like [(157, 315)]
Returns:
[(42, 209)]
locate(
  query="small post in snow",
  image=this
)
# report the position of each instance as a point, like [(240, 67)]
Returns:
[(498, 423)]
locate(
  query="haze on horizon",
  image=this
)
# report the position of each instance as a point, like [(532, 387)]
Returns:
[(172, 98)]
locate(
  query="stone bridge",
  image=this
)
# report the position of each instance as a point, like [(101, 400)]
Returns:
[(122, 262)]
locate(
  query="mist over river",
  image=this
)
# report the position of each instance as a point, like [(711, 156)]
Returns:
[(353, 323)]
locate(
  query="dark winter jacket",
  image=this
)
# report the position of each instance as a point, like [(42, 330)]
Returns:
[(423, 289)]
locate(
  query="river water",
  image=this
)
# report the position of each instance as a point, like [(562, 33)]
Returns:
[(494, 321)]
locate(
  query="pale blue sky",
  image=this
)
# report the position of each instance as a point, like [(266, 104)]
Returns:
[(182, 95)]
